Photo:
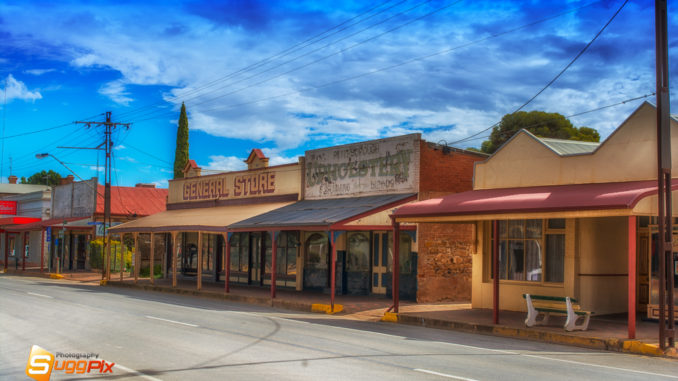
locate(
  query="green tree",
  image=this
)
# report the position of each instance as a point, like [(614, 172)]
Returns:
[(50, 178), (181, 153), (542, 124)]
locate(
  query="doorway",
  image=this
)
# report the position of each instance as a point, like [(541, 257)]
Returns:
[(381, 254), (255, 267)]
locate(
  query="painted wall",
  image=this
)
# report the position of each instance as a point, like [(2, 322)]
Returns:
[(74, 200), (603, 264), (368, 168), (628, 154)]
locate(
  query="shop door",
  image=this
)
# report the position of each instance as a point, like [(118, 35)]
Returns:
[(255, 258), (380, 257), (81, 254)]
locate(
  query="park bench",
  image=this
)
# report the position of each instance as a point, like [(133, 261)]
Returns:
[(547, 305)]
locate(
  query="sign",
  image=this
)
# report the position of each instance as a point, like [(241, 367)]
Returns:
[(8, 208), (261, 182), (368, 168), (48, 234)]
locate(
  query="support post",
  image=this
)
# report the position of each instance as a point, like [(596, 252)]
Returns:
[(199, 267), (152, 258), (42, 249), (122, 256), (495, 273), (174, 259), (632, 278), (274, 254), (137, 259), (164, 258), (227, 263), (108, 254), (333, 270), (23, 252), (396, 267), (6, 250)]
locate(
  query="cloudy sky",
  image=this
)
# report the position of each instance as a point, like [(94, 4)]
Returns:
[(288, 76)]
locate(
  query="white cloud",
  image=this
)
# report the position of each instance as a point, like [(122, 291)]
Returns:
[(17, 90), (39, 72), (117, 92), (226, 163), (161, 183)]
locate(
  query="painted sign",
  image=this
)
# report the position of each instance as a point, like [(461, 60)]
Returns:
[(269, 181), (8, 208), (367, 168)]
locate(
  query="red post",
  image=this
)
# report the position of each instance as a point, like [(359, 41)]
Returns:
[(274, 254), (227, 264), (333, 270), (632, 277), (495, 273), (396, 266), (23, 254), (42, 250), (6, 249)]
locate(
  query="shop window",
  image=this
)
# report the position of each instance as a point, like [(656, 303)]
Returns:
[(286, 259), (358, 255), (531, 250), (405, 254), (209, 252), (239, 252), (316, 251)]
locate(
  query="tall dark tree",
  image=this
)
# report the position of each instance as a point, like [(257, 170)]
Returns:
[(181, 154), (542, 124), (50, 178)]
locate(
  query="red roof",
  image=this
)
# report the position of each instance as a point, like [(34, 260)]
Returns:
[(605, 196), (128, 201), (17, 220)]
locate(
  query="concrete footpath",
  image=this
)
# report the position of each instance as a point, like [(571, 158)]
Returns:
[(607, 332)]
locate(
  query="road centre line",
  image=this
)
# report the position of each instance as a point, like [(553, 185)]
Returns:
[(136, 373), (40, 295), (444, 375), (602, 366), (171, 321)]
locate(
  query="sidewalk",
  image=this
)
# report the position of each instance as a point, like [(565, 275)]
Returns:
[(607, 332)]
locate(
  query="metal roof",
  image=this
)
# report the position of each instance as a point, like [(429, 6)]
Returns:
[(320, 212), (569, 147)]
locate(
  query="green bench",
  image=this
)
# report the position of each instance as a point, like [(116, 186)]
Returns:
[(547, 305)]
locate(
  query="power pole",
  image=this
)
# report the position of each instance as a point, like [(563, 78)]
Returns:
[(108, 147), (665, 218)]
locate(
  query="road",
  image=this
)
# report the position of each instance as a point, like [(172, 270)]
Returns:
[(156, 336)]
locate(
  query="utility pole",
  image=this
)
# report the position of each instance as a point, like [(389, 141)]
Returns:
[(665, 219), (108, 146)]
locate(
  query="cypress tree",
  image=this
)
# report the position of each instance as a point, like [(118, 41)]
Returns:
[(181, 154)]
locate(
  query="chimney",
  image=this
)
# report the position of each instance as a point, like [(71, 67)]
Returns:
[(144, 185), (67, 180), (12, 179)]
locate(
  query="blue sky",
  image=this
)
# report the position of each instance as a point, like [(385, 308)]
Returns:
[(289, 76)]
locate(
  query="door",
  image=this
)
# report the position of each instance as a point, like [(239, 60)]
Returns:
[(81, 254), (381, 254), (255, 259)]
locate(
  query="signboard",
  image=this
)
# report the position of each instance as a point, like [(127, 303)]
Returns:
[(8, 208), (368, 168), (48, 233), (263, 182)]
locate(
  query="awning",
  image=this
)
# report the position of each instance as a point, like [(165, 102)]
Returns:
[(328, 213), (39, 225), (195, 219), (577, 200), (8, 222)]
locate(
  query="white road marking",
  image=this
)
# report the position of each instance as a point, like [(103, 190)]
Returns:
[(444, 375), (41, 295), (602, 366), (171, 321), (136, 372)]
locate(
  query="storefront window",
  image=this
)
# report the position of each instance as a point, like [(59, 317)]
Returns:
[(209, 252), (405, 254), (531, 250), (239, 252), (286, 260), (358, 255), (316, 251)]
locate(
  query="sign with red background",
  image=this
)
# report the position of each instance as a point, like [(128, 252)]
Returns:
[(8, 208)]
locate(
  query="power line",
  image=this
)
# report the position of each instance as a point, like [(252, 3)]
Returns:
[(556, 77)]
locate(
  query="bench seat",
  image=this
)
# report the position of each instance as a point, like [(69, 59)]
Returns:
[(547, 305)]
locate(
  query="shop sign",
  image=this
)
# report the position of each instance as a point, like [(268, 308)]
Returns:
[(8, 208), (367, 168), (244, 184)]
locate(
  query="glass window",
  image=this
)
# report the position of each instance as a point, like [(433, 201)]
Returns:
[(358, 255), (317, 251), (405, 253), (528, 252)]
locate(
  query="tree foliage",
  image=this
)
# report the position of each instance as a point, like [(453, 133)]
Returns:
[(542, 124), (181, 153), (50, 178)]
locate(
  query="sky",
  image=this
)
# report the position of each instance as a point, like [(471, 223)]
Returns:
[(289, 76)]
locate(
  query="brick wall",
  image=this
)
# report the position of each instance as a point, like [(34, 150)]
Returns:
[(444, 262)]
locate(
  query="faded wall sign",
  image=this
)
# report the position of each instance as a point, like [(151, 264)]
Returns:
[(270, 181), (366, 168)]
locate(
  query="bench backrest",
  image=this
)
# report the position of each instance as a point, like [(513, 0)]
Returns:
[(550, 298)]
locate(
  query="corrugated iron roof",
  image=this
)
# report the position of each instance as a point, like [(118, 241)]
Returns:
[(569, 147), (319, 212), (127, 201)]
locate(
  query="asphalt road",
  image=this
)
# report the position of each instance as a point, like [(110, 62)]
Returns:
[(156, 336)]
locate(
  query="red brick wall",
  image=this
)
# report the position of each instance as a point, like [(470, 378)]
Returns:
[(444, 264)]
